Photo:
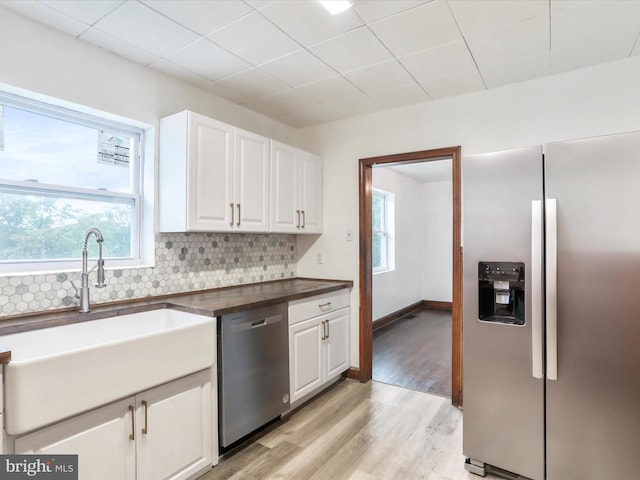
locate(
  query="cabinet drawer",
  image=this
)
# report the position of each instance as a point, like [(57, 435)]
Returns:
[(317, 305)]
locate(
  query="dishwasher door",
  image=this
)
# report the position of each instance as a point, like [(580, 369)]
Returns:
[(253, 370)]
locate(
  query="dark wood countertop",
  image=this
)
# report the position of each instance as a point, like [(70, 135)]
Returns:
[(213, 303), (236, 299)]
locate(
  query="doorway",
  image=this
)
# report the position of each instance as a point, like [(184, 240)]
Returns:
[(366, 284)]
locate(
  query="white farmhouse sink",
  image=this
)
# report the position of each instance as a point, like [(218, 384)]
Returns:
[(58, 372)]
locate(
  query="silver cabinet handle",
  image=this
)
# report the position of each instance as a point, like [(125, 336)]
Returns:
[(324, 336), (325, 329), (304, 219), (536, 288), (132, 411), (231, 205), (298, 213), (145, 430), (328, 329), (322, 305), (552, 288), (239, 219)]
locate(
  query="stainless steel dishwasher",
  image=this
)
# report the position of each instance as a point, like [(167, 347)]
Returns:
[(253, 370)]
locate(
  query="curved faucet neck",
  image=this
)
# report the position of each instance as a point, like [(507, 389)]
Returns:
[(97, 234)]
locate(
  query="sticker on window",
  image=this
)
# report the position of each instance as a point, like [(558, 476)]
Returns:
[(113, 150)]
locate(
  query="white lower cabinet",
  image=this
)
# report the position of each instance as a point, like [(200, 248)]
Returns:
[(318, 346), (162, 433)]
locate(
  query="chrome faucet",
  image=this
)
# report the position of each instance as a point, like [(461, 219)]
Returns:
[(85, 305)]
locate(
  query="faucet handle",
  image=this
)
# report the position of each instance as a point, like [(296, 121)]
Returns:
[(77, 295)]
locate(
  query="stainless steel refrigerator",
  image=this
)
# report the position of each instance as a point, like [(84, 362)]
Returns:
[(552, 310)]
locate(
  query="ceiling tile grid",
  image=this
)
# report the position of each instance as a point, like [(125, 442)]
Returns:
[(295, 62)]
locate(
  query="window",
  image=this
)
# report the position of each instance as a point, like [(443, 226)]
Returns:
[(383, 225), (61, 173)]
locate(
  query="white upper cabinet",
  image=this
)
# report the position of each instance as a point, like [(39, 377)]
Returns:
[(310, 192), (296, 190), (214, 177), (251, 184), (283, 188)]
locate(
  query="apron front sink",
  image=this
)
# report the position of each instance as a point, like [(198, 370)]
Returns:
[(61, 371)]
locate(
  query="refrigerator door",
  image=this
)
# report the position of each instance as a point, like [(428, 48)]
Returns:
[(593, 419), (503, 402)]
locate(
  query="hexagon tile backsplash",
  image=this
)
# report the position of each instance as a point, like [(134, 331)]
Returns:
[(184, 262)]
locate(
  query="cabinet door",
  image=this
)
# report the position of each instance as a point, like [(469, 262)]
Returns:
[(251, 186), (210, 174), (100, 438), (305, 357), (310, 192), (174, 429), (284, 215), (337, 343)]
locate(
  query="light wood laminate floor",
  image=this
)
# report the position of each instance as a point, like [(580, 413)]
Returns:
[(356, 431)]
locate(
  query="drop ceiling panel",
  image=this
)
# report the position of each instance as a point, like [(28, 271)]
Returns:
[(44, 14), (197, 15), (137, 24), (294, 61), (420, 28), (298, 68), (450, 85), (332, 89), (516, 40), (356, 105), (115, 45), (379, 77), (439, 61), (308, 22), (595, 25), (254, 39), (476, 17), (208, 60), (86, 12), (398, 97), (518, 70), (355, 49), (372, 10), (176, 71), (253, 83)]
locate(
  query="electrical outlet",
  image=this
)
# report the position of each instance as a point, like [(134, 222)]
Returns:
[(349, 235), (319, 258)]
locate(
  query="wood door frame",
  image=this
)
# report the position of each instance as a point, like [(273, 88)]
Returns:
[(366, 284)]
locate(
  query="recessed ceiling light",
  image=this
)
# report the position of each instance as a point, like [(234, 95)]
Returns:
[(336, 6)]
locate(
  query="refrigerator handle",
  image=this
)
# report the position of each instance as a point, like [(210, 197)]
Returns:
[(536, 288), (552, 288)]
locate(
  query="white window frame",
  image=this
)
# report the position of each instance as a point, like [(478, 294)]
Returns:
[(387, 232), (142, 247)]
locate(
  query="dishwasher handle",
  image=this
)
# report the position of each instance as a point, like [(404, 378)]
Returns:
[(242, 323)]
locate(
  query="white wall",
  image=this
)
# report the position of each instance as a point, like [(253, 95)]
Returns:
[(40, 60), (37, 58), (594, 101), (437, 247), (402, 286)]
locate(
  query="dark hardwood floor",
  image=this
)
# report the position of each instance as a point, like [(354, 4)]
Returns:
[(415, 352)]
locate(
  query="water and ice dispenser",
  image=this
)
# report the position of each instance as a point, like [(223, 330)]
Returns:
[(501, 292)]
